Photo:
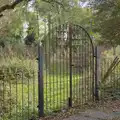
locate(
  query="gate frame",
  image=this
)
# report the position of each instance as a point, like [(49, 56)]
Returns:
[(40, 71), (70, 59), (40, 82), (95, 94), (97, 72)]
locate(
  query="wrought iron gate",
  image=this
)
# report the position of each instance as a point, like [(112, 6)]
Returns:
[(82, 66), (68, 70), (65, 75)]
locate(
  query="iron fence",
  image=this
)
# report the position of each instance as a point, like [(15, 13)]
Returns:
[(18, 94)]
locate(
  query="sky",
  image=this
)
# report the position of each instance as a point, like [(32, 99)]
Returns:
[(83, 4)]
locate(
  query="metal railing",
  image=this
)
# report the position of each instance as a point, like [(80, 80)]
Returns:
[(18, 94)]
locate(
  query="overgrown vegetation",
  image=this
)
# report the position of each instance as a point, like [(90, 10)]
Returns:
[(25, 24)]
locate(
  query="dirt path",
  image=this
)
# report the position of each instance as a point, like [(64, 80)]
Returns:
[(95, 115), (106, 111)]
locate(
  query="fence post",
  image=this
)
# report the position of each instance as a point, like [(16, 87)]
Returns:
[(97, 72), (40, 82), (70, 55)]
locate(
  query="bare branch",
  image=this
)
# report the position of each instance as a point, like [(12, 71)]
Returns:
[(10, 6), (1, 15), (16, 2)]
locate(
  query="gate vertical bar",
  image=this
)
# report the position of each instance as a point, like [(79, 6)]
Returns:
[(40, 82), (70, 55), (97, 73)]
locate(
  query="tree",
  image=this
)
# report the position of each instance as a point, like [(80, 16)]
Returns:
[(107, 24), (9, 6), (60, 12)]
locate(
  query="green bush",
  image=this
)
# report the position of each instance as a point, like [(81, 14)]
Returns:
[(109, 84)]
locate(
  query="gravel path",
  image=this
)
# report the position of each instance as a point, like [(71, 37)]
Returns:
[(95, 115)]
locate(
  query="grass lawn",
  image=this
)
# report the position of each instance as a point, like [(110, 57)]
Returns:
[(56, 95)]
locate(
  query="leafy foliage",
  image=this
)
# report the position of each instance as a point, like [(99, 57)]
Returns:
[(109, 27)]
